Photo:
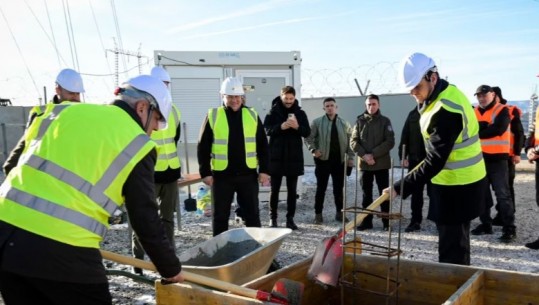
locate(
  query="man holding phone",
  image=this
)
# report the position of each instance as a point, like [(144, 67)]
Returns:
[(286, 124)]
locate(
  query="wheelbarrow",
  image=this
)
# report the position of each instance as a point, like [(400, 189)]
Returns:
[(236, 256)]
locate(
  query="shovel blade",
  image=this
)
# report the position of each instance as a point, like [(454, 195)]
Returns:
[(327, 262), (289, 291), (330, 270)]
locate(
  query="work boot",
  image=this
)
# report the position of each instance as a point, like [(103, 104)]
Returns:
[(338, 217), (365, 225), (290, 224), (273, 223), (508, 235), (482, 229), (385, 223), (412, 227), (318, 219), (497, 221), (533, 245)]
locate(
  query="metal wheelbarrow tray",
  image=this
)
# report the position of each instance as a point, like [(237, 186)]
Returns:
[(236, 256)]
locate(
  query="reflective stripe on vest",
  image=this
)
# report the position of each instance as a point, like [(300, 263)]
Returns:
[(69, 198), (219, 124), (498, 144), (167, 151), (465, 163)]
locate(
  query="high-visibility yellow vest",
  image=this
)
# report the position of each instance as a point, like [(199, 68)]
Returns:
[(465, 164), (167, 151), (70, 176), (38, 110), (219, 125), (498, 144)]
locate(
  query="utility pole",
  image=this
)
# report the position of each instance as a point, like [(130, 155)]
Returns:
[(117, 52)]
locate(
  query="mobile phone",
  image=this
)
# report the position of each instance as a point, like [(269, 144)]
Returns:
[(290, 115)]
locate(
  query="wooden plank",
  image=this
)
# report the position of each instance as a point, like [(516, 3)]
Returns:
[(471, 293), (186, 294), (509, 287)]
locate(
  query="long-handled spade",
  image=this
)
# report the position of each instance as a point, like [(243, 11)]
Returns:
[(190, 203), (328, 257), (284, 291)]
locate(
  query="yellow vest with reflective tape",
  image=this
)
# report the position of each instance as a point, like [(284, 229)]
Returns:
[(167, 151), (219, 124), (465, 163), (70, 176)]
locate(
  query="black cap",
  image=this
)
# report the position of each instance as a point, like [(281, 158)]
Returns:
[(483, 89)]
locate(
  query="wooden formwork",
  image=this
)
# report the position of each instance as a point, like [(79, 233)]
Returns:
[(420, 283)]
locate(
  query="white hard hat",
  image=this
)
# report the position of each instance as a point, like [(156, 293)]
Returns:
[(232, 86), (157, 89), (160, 73), (413, 68), (70, 80)]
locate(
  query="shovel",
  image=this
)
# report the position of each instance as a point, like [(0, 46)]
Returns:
[(190, 203), (284, 291), (328, 256)]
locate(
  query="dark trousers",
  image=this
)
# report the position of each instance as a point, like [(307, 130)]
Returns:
[(223, 189), (497, 175), (291, 195), (511, 173), (167, 198), (417, 196), (367, 183), (22, 290), (454, 243), (322, 171)]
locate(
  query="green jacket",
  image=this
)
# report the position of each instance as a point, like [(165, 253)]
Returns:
[(373, 134), (320, 137)]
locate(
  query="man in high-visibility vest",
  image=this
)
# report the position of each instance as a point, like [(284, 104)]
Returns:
[(515, 148), (233, 156), (495, 137), (167, 169), (68, 87), (454, 162), (84, 161)]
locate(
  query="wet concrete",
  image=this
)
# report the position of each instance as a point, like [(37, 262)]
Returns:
[(225, 255)]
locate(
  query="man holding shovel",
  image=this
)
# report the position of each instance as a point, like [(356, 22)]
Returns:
[(454, 162), (54, 207)]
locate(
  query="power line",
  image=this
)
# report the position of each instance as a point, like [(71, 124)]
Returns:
[(118, 32), (73, 36), (46, 34), (100, 37), (20, 52), (68, 34), (52, 33)]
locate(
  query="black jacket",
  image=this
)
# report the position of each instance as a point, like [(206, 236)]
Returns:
[(412, 139), (449, 204), (286, 146), (32, 255), (236, 147)]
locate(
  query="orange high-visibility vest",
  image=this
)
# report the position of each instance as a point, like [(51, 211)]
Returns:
[(498, 144)]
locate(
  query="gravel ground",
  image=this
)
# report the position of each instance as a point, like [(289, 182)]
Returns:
[(422, 245)]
